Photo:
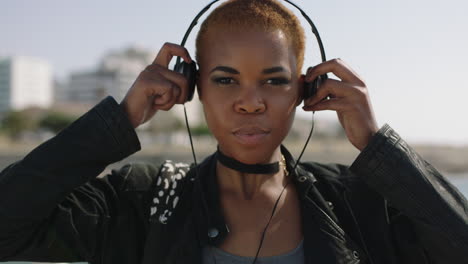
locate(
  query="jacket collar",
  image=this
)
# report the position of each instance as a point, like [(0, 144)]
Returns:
[(212, 229), (323, 237)]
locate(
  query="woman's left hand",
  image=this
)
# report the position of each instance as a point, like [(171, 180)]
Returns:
[(348, 97)]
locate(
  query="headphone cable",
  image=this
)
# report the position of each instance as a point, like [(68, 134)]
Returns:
[(205, 207), (284, 188)]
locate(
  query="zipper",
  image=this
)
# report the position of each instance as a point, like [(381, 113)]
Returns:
[(357, 227)]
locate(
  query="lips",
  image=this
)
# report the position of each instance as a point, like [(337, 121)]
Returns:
[(250, 135)]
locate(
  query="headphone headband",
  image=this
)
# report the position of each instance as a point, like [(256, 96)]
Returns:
[(206, 8), (189, 71)]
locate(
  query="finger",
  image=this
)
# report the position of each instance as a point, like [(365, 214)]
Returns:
[(170, 50), (161, 90), (179, 79), (337, 67), (166, 100), (335, 104), (329, 88), (166, 107)]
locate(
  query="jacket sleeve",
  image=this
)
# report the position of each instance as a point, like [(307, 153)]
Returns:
[(436, 211), (52, 206)]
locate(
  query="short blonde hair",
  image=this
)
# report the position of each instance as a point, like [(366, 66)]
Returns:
[(255, 14)]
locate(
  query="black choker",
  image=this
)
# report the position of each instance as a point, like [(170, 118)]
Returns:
[(247, 168)]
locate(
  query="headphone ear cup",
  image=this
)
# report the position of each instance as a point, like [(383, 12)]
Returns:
[(189, 70), (310, 88)]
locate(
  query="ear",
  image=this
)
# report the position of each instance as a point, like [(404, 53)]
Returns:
[(300, 87)]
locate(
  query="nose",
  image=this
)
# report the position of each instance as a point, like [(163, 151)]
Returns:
[(249, 102)]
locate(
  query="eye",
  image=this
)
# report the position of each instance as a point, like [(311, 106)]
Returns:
[(223, 80), (278, 81)]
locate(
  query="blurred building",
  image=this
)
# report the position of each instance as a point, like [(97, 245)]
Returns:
[(25, 82), (113, 76)]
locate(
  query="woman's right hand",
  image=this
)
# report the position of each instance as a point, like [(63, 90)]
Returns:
[(157, 87)]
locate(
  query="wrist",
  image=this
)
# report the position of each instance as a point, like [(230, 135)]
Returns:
[(123, 105)]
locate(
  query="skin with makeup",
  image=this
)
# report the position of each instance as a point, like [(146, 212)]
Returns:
[(249, 87)]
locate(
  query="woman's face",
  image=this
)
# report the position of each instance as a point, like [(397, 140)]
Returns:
[(249, 89)]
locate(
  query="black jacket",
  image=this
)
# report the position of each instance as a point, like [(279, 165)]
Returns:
[(389, 206)]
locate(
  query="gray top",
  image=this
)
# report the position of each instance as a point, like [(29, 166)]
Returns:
[(214, 255)]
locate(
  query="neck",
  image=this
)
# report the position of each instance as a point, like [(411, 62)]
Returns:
[(246, 185)]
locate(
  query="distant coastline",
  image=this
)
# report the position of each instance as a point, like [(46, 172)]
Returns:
[(449, 160)]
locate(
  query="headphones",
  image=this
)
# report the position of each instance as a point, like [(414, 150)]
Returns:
[(189, 70)]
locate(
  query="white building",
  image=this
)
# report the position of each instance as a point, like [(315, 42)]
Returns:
[(25, 82), (113, 76), (92, 86)]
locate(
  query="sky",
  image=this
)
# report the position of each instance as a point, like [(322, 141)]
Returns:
[(412, 54)]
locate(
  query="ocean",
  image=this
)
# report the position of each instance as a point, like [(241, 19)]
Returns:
[(461, 182)]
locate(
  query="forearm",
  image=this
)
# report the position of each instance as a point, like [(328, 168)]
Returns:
[(33, 186), (415, 188)]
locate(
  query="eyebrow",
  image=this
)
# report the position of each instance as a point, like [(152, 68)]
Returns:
[(234, 71), (225, 69), (274, 69)]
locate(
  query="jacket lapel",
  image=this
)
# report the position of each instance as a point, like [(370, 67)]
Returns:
[(324, 240), (201, 223)]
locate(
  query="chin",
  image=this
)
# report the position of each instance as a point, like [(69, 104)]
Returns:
[(260, 154)]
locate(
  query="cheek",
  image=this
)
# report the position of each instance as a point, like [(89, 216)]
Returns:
[(215, 110), (282, 113), (284, 119), (285, 103), (218, 107)]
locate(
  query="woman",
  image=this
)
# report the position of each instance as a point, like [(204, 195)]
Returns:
[(390, 206)]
